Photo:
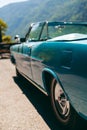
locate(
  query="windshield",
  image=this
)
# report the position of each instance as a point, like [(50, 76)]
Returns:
[(36, 32), (57, 31)]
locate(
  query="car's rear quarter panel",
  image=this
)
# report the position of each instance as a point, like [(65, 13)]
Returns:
[(69, 62)]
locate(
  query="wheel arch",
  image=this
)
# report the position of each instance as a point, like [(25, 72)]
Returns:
[(47, 76)]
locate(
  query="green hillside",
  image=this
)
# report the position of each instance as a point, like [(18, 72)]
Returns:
[(19, 15)]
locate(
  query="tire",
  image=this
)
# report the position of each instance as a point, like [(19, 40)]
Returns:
[(61, 106)]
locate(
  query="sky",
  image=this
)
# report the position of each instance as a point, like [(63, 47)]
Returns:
[(6, 2)]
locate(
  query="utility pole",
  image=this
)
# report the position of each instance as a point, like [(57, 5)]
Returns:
[(0, 35)]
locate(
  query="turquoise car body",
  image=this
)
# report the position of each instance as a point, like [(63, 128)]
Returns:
[(63, 57)]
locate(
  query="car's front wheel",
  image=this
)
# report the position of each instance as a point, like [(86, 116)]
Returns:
[(61, 105)]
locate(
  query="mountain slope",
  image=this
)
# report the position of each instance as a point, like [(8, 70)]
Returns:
[(19, 15)]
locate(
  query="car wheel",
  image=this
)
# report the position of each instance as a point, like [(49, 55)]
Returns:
[(61, 105)]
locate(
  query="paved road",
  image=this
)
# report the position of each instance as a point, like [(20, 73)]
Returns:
[(22, 106)]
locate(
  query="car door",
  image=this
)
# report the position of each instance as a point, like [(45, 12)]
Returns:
[(37, 63), (33, 39)]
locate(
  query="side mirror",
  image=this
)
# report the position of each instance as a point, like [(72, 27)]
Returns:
[(22, 39)]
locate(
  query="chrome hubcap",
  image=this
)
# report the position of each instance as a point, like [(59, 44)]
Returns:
[(61, 101)]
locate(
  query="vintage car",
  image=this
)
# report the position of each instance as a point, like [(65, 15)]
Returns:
[(53, 56)]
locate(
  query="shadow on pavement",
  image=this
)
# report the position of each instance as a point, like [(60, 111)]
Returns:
[(42, 103)]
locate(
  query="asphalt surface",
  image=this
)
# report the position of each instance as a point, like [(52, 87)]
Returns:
[(22, 106)]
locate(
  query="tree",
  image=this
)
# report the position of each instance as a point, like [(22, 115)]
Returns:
[(6, 39), (3, 28)]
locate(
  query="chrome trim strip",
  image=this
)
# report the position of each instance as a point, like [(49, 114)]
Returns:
[(34, 84)]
